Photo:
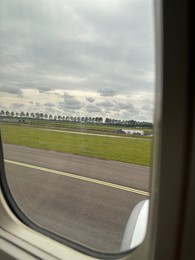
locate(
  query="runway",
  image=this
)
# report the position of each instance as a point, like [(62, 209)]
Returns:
[(84, 199)]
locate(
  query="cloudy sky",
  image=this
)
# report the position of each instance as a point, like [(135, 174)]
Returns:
[(78, 57)]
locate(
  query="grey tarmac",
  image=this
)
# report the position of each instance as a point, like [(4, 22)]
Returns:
[(88, 213)]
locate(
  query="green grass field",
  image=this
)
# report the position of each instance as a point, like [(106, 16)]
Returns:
[(131, 150), (76, 127)]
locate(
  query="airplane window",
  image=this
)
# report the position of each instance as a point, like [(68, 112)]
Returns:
[(76, 117)]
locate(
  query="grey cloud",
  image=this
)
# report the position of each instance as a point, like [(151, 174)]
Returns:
[(38, 104), (115, 109), (71, 105), (107, 92), (77, 45), (49, 105), (93, 109), (148, 105), (148, 108), (90, 99), (145, 116), (16, 105), (43, 89), (126, 106), (58, 95), (11, 90), (70, 102), (106, 103)]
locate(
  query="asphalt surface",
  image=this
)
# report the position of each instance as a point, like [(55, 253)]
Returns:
[(89, 213)]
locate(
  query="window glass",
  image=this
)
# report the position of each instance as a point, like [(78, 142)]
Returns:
[(76, 115)]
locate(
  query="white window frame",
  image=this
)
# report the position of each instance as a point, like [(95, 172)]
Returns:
[(171, 216)]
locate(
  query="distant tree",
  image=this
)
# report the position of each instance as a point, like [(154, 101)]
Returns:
[(50, 117), (2, 113), (17, 114), (99, 119), (22, 114), (27, 114), (46, 116), (7, 113), (59, 117), (12, 114), (37, 115), (108, 120), (41, 115), (32, 115), (55, 118)]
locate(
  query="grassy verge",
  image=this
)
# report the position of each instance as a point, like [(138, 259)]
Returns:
[(120, 149), (78, 127)]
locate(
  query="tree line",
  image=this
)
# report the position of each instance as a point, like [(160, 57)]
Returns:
[(77, 119)]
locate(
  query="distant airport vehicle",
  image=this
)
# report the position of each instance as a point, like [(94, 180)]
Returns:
[(130, 132)]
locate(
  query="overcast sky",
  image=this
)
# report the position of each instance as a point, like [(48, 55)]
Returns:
[(78, 57)]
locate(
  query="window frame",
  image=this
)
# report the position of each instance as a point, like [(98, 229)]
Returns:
[(173, 166)]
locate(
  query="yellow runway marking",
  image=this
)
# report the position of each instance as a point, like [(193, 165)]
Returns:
[(78, 177)]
